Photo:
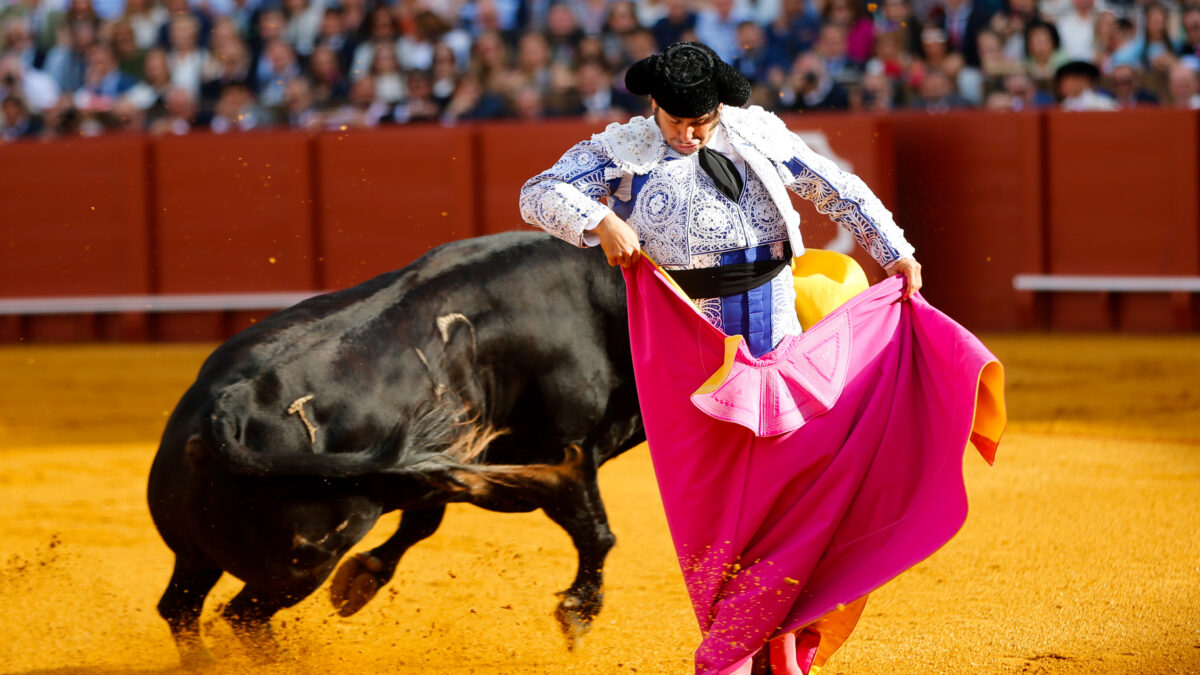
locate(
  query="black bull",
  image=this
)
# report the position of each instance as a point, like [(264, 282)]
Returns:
[(494, 371)]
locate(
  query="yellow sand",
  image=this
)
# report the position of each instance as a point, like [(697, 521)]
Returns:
[(1081, 555)]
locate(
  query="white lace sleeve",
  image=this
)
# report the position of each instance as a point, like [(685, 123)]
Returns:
[(563, 199), (847, 200)]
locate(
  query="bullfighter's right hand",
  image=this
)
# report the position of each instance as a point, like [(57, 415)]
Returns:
[(619, 241)]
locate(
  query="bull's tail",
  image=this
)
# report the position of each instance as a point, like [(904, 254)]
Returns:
[(425, 461)]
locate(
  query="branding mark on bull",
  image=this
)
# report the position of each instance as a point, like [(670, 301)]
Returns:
[(297, 407)]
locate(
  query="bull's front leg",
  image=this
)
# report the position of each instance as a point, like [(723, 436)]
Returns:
[(580, 511), (361, 575)]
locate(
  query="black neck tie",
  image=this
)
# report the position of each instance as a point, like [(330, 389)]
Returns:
[(723, 173)]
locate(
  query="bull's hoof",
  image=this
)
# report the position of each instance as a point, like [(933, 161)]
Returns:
[(196, 658), (355, 583), (574, 620)]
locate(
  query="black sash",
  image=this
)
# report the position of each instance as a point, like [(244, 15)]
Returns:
[(718, 282)]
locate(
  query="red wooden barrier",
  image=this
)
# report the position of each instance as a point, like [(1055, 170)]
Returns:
[(510, 154), (1122, 193), (970, 200), (231, 213), (73, 221), (386, 197)]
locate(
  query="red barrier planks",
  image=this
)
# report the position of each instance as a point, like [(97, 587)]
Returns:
[(73, 221), (385, 197), (970, 200), (1122, 200), (233, 213)]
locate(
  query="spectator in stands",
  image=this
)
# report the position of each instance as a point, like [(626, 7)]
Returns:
[(1023, 95), (963, 21), (228, 67), (420, 105), (18, 41), (622, 22), (1109, 38), (1076, 82), (336, 36), (994, 65), (1042, 55), (362, 111), (445, 74), (936, 93), (591, 15), (810, 87), (125, 48), (873, 95), (526, 104), (753, 59), (716, 26), (1184, 87), (1077, 31), (831, 47), (896, 16), (1010, 23), (380, 29), (18, 121), (415, 46), (389, 80), (472, 101), (330, 86), (1152, 50), (178, 8), (892, 59), (562, 33), (859, 28), (180, 114), (104, 83), (281, 66), (151, 90), (1189, 47), (36, 89), (1127, 89), (490, 63), (235, 110), (185, 57), (533, 63), (299, 110), (66, 61), (125, 117), (302, 22), (678, 25), (599, 100), (147, 19)]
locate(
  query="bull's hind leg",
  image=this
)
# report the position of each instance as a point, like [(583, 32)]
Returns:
[(250, 612), (578, 509), (361, 575), (182, 603)]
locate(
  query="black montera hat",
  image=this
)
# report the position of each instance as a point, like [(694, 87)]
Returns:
[(688, 80)]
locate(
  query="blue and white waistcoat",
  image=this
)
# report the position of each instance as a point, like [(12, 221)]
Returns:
[(683, 221)]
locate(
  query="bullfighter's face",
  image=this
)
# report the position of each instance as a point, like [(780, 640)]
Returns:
[(687, 134)]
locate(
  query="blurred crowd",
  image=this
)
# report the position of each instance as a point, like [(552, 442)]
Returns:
[(72, 67)]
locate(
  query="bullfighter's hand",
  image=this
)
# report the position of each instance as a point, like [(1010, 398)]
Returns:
[(911, 269), (619, 241)]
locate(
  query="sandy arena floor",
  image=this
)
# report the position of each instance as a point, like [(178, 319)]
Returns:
[(1081, 554)]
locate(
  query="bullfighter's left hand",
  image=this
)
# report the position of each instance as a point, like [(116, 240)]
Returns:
[(911, 269)]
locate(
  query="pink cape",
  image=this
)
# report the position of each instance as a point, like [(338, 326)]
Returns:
[(798, 482)]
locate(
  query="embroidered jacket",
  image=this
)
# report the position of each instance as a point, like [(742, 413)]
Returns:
[(684, 221)]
